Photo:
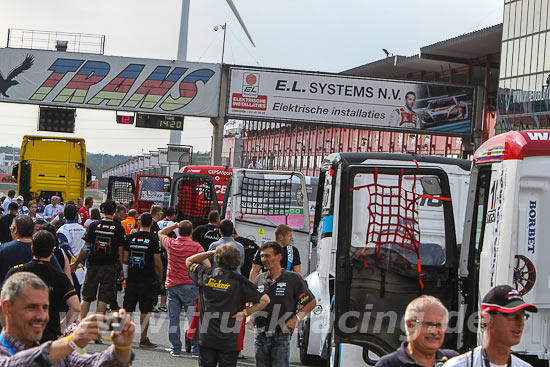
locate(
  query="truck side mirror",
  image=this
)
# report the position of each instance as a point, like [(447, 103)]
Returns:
[(431, 185), (15, 171), (88, 176)]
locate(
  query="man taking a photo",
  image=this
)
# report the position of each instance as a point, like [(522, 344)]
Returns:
[(25, 304)]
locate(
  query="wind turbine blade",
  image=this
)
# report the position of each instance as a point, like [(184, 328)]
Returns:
[(234, 9)]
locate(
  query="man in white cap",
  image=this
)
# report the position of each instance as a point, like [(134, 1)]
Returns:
[(22, 208), (52, 209), (503, 311)]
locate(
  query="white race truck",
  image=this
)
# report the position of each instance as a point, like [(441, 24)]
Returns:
[(257, 201), (385, 232), (373, 261), (505, 235)]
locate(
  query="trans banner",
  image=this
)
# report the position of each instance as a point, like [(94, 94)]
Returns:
[(79, 80), (362, 102)]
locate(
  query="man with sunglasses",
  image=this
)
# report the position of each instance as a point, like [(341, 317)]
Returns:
[(425, 324), (503, 311), (18, 251)]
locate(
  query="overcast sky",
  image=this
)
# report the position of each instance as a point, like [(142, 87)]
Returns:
[(314, 35)]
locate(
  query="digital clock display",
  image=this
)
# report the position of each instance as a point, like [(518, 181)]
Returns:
[(159, 121), (125, 119)]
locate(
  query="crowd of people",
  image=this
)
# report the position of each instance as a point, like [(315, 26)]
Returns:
[(82, 253), (56, 262)]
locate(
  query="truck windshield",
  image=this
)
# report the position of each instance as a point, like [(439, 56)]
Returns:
[(271, 199), (396, 225), (155, 190)]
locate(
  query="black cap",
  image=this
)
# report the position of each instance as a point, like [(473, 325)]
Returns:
[(506, 299)]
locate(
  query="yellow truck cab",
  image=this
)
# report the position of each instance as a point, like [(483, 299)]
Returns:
[(52, 166)]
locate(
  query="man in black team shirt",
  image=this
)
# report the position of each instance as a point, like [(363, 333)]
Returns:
[(141, 266), (104, 240), (120, 215), (156, 213), (286, 290), (222, 293), (62, 291), (208, 233), (290, 258), (250, 250)]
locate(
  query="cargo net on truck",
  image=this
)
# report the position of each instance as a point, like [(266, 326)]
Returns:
[(122, 191), (393, 219), (266, 196), (195, 197)]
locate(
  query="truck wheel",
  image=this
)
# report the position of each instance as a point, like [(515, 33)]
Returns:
[(308, 359)]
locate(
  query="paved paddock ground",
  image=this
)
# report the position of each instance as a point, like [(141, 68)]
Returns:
[(158, 334)]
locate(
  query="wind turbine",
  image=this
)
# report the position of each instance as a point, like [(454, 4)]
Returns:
[(234, 9), (175, 135)]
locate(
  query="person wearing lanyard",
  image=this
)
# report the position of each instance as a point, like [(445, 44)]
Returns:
[(290, 258), (287, 292), (503, 311), (25, 303)]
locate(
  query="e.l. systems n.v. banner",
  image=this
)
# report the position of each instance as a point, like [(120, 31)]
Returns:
[(363, 102), (109, 82)]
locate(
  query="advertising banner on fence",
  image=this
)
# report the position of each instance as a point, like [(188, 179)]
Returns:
[(322, 98), (109, 82)]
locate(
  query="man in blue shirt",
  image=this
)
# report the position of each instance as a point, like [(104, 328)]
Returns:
[(51, 210), (19, 250), (7, 201), (226, 231)]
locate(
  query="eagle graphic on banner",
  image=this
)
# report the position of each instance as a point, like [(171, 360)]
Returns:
[(8, 82)]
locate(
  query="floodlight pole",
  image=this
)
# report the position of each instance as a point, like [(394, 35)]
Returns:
[(175, 135), (224, 27), (218, 122), (184, 30)]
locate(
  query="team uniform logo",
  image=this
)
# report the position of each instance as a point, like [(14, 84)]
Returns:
[(217, 284)]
